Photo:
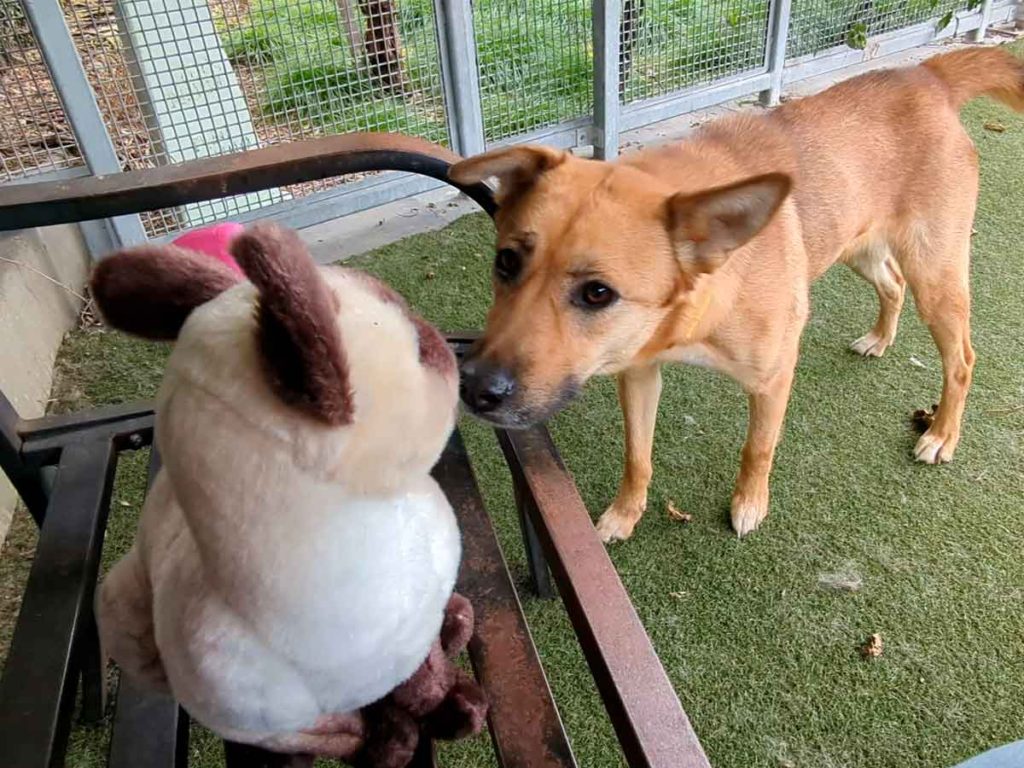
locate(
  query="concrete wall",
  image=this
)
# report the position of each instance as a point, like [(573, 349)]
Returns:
[(35, 313)]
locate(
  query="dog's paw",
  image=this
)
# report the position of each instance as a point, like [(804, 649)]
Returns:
[(871, 345), (617, 524), (748, 511), (934, 447)]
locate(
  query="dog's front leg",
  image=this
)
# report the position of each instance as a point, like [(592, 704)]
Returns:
[(639, 391), (767, 413)]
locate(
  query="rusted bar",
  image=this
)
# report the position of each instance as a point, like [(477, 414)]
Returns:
[(37, 691), (540, 575), (26, 480), (652, 727), (96, 197), (525, 726), (129, 434), (149, 730)]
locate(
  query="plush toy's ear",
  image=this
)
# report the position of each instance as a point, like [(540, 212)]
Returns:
[(150, 290), (514, 167), (296, 323)]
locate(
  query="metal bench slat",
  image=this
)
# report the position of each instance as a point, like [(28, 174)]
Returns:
[(525, 726), (37, 691), (95, 197), (652, 727), (150, 729)]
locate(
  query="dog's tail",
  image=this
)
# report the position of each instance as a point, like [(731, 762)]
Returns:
[(972, 72)]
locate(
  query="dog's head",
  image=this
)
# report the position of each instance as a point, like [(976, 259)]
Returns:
[(595, 265), (321, 367)]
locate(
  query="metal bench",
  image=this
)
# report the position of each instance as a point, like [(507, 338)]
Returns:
[(63, 468)]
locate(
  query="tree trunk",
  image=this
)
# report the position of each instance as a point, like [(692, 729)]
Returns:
[(382, 42), (629, 30)]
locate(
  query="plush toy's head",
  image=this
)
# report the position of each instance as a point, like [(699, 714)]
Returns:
[(326, 365)]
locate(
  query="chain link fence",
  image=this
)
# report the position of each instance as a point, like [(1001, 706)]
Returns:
[(817, 25), (176, 80), (34, 133), (534, 61), (667, 45)]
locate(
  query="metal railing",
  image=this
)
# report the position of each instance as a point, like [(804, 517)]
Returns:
[(101, 86)]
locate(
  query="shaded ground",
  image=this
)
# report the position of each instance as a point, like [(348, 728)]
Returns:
[(762, 651)]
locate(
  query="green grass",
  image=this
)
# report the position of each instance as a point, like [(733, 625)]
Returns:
[(763, 657)]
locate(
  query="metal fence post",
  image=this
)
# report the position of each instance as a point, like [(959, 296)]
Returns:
[(606, 15), (986, 14), (72, 85), (453, 21), (778, 36)]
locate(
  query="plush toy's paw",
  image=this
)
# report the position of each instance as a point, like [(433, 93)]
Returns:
[(394, 735), (462, 713), (429, 684), (458, 625)]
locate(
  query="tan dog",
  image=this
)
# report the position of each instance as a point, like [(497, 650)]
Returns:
[(703, 252)]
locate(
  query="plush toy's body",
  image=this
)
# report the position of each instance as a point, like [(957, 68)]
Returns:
[(295, 560)]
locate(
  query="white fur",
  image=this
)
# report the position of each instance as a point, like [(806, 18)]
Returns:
[(288, 570)]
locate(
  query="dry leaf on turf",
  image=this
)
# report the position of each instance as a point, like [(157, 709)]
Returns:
[(872, 648), (677, 514), (995, 126), (922, 419)]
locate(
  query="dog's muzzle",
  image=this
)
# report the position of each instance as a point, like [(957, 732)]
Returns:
[(485, 387)]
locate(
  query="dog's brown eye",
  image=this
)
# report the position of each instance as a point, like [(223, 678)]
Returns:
[(507, 264), (596, 295)]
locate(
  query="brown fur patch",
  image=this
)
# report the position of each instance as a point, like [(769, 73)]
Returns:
[(150, 291), (434, 351), (297, 330)]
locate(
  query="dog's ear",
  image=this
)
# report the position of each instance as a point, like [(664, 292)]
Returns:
[(150, 290), (297, 328), (514, 167), (705, 227)]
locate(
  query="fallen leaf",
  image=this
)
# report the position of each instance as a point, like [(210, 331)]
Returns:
[(995, 126), (677, 595), (922, 419), (974, 231), (841, 581), (914, 361), (872, 647), (675, 513), (125, 504)]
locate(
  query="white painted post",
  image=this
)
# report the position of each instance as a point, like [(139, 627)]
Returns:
[(453, 20), (986, 15), (606, 17), (778, 37), (196, 107)]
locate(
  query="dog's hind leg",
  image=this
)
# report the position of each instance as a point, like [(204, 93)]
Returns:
[(639, 392), (939, 281), (875, 263)]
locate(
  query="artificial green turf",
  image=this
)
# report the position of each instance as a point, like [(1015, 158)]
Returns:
[(762, 655)]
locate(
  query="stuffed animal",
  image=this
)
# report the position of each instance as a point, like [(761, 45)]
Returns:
[(291, 578)]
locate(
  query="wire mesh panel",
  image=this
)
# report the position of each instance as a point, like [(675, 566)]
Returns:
[(817, 25), (535, 65), (34, 132), (178, 79), (666, 45)]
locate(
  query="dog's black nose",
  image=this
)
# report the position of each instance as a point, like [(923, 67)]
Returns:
[(484, 386)]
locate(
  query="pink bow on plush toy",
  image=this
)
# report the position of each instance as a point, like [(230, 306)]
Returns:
[(213, 241)]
